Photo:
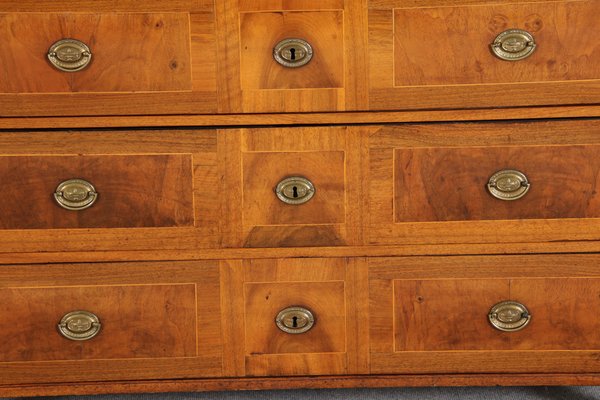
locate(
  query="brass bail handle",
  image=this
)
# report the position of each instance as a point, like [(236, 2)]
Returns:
[(508, 184), (509, 316), (69, 55), (79, 325), (513, 45), (75, 194)]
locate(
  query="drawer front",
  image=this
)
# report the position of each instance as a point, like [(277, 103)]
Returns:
[(290, 187), (124, 190), (129, 52), (299, 317), (451, 315), (325, 71), (90, 322), (132, 191), (119, 61), (452, 183), (412, 47)]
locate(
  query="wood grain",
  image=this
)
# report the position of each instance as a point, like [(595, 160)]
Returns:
[(425, 38), (129, 316), (130, 52), (152, 327), (260, 32), (133, 191), (449, 184), (106, 5)]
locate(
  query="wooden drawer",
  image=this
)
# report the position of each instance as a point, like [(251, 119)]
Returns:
[(432, 315), (153, 190), (430, 183), (426, 54), (263, 290), (256, 82), (142, 59), (256, 161), (155, 320)]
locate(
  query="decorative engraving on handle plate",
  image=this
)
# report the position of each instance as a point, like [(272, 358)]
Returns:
[(79, 325), (293, 53), (75, 194), (508, 184), (295, 190), (509, 316), (513, 45), (295, 319), (69, 55)]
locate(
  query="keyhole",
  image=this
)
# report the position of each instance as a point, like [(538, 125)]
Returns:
[(295, 194), (295, 322), (293, 55)]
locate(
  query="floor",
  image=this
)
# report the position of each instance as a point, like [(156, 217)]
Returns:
[(469, 393)]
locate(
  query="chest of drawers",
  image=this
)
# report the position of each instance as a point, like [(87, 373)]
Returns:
[(253, 194)]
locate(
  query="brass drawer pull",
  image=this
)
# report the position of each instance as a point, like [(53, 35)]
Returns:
[(75, 194), (509, 316), (508, 184), (69, 55), (513, 45), (295, 320), (79, 325), (295, 190), (293, 53)]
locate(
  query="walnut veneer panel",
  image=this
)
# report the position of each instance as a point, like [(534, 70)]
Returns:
[(430, 55), (251, 81), (158, 189), (333, 289), (254, 161), (158, 319), (133, 191), (427, 183), (129, 316), (449, 184), (130, 52), (430, 315)]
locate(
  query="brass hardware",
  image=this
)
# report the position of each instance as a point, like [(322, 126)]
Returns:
[(69, 55), (509, 316), (295, 320), (75, 194), (293, 53), (508, 184), (513, 45), (295, 190), (79, 325)]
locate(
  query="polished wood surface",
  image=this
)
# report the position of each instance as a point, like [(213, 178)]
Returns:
[(128, 315), (130, 52), (430, 314), (133, 191), (159, 319), (464, 34), (466, 198), (449, 184)]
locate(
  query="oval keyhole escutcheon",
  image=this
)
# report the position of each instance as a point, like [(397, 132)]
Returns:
[(293, 53), (295, 190), (295, 319)]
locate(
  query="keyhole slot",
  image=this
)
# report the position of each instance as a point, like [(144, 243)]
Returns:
[(293, 53), (295, 322), (295, 193)]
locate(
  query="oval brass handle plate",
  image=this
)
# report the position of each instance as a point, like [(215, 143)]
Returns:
[(509, 316), (69, 55), (513, 45), (75, 194), (79, 325), (295, 319), (295, 190), (293, 53), (508, 184)]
